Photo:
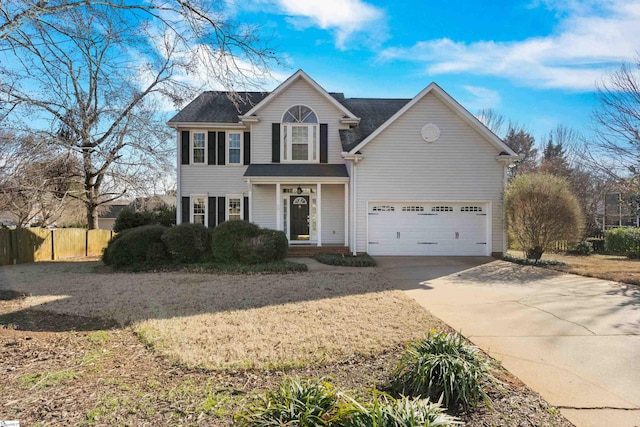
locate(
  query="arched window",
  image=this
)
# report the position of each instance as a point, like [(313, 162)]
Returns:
[(300, 134)]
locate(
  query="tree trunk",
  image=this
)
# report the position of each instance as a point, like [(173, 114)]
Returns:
[(534, 253), (92, 216)]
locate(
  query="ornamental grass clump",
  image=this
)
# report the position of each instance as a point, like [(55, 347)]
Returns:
[(296, 402), (386, 411), (443, 367)]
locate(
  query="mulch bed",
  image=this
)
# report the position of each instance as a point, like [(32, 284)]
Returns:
[(69, 370)]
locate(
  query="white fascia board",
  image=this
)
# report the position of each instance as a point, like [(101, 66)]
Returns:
[(304, 76), (207, 125), (460, 111), (297, 180)]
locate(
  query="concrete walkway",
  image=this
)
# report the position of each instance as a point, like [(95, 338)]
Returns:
[(575, 340)]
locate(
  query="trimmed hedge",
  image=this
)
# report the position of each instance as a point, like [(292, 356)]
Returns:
[(241, 242), (188, 243), (623, 241), (141, 245), (346, 260)]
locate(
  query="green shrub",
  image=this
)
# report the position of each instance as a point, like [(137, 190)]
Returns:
[(241, 242), (296, 402), (443, 366), (597, 243), (581, 248), (346, 260), (140, 245), (187, 243), (161, 215), (385, 411), (623, 241), (269, 246)]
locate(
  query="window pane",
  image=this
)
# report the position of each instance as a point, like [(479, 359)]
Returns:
[(198, 148), (199, 210), (299, 152), (299, 114), (315, 142), (234, 209), (300, 134), (234, 155), (284, 154), (234, 140)]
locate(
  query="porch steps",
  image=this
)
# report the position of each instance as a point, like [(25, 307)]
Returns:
[(311, 251)]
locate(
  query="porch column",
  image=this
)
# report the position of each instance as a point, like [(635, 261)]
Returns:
[(278, 208), (250, 194), (319, 215), (346, 214)]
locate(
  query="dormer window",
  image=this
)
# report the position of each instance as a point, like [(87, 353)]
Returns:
[(300, 135)]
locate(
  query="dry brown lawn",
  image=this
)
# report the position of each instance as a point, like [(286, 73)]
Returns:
[(232, 321), (608, 267)]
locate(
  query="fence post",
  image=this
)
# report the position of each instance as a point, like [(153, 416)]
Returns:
[(53, 247), (86, 243), (15, 246)]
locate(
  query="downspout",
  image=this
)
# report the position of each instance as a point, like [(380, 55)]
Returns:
[(179, 168), (354, 192)]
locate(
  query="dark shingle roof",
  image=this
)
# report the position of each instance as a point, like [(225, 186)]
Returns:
[(293, 169), (373, 112), (218, 107)]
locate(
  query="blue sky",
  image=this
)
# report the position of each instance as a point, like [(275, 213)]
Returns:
[(534, 61)]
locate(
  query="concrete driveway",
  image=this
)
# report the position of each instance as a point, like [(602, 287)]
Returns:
[(575, 340)]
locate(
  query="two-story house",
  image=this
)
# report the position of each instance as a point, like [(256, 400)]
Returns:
[(417, 176)]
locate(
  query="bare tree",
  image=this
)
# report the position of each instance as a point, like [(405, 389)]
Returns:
[(493, 120), (92, 75), (521, 141), (35, 181), (615, 149)]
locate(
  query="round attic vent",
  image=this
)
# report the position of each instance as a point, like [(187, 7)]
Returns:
[(430, 132)]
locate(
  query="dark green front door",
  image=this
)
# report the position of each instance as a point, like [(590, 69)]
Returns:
[(299, 228)]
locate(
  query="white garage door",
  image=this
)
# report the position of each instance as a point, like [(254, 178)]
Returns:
[(427, 228)]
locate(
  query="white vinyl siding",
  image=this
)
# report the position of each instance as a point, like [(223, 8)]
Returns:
[(299, 93), (400, 166), (212, 180), (263, 205), (332, 206)]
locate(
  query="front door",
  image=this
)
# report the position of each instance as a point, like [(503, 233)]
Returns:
[(299, 228)]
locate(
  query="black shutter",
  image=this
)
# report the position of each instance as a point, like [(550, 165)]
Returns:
[(211, 147), (222, 207), (184, 152), (246, 208), (275, 142), (211, 212), (324, 143), (222, 147), (186, 209), (247, 148)]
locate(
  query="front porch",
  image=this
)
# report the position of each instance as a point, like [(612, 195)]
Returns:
[(313, 211)]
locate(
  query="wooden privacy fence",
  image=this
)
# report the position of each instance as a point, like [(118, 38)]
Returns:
[(39, 244)]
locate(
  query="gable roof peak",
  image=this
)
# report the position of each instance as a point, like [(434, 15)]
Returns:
[(300, 74)]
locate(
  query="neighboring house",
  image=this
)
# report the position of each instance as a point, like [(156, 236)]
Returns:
[(108, 213), (417, 176)]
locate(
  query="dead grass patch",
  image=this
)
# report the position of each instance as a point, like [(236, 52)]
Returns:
[(608, 267), (290, 335), (230, 321)]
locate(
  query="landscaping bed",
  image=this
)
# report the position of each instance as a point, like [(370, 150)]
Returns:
[(91, 368)]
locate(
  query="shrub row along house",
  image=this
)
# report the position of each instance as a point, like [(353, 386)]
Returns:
[(417, 176)]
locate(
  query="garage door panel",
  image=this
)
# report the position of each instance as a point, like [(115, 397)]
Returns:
[(421, 228)]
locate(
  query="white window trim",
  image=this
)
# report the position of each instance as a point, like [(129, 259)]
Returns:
[(241, 162), (206, 208), (226, 203), (191, 147), (290, 145)]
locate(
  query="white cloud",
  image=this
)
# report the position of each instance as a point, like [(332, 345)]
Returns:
[(482, 98), (590, 39), (344, 17)]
